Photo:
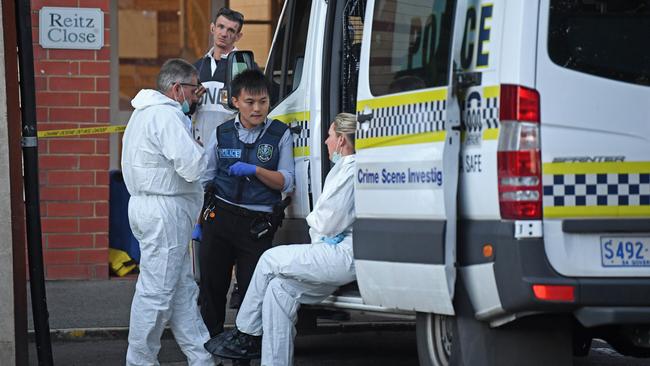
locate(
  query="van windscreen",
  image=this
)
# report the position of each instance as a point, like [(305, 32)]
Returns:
[(607, 38)]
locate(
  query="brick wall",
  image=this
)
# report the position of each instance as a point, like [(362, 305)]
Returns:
[(72, 91)]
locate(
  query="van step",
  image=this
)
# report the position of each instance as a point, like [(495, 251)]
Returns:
[(352, 301)]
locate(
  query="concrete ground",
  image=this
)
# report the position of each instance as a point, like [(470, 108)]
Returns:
[(89, 322), (101, 308)]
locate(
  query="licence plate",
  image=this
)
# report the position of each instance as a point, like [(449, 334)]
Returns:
[(625, 251)]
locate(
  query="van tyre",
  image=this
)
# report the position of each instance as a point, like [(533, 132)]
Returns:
[(632, 340), (626, 348), (581, 340), (581, 345), (435, 337)]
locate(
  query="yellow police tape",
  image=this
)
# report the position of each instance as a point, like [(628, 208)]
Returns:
[(81, 131)]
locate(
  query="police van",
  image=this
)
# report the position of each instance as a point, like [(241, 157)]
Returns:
[(503, 166)]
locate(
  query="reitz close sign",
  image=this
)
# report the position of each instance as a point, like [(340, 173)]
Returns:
[(71, 28)]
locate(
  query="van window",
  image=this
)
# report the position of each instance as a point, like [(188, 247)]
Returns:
[(607, 38), (410, 47), (284, 69)]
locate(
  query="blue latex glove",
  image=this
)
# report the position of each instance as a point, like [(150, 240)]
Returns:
[(240, 169), (333, 240), (197, 232)]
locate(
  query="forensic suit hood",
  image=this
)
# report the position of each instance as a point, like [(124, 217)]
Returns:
[(168, 160)]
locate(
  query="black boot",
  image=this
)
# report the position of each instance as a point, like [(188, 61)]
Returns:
[(235, 345)]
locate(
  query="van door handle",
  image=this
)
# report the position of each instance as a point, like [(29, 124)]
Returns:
[(465, 80), (363, 118), (295, 128)]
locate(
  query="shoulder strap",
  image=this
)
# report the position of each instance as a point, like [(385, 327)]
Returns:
[(226, 127), (277, 128), (203, 68)]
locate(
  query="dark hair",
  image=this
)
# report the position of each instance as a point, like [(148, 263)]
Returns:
[(233, 16), (251, 80)]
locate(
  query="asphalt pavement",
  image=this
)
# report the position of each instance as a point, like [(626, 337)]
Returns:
[(347, 348), (91, 308), (89, 323), (88, 305), (391, 348)]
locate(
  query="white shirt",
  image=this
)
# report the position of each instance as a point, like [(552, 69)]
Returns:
[(213, 61)]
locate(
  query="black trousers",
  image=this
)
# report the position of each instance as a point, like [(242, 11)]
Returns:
[(226, 241)]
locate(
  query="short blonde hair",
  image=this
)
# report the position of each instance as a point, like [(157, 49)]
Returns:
[(346, 124)]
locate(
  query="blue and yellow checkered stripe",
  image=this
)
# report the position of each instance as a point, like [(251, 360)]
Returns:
[(410, 118), (300, 140), (616, 189)]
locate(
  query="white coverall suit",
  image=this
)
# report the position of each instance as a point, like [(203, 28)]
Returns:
[(289, 275), (162, 164)]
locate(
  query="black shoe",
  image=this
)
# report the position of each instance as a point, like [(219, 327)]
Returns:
[(235, 345), (235, 298)]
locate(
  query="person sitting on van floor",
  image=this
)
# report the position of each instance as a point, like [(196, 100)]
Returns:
[(289, 275)]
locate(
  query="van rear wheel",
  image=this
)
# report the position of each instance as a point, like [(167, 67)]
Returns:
[(435, 336)]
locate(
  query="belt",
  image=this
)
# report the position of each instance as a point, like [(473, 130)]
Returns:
[(237, 210)]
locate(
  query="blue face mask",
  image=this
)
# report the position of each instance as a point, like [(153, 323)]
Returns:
[(185, 106), (336, 157)]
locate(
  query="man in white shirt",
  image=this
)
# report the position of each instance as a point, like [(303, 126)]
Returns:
[(225, 31)]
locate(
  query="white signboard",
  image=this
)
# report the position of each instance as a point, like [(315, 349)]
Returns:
[(71, 28)]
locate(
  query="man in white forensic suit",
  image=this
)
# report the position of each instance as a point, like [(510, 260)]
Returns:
[(162, 165)]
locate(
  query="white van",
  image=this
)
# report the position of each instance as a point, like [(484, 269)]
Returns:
[(503, 186)]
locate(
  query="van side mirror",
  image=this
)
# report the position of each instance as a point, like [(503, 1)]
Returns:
[(237, 62)]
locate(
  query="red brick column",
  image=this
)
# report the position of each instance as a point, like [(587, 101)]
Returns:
[(72, 91)]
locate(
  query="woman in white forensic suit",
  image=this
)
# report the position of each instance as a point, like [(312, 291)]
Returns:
[(289, 275)]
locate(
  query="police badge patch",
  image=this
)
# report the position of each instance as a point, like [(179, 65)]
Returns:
[(264, 152)]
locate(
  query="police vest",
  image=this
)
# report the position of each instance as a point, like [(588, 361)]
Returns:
[(264, 152), (209, 112)]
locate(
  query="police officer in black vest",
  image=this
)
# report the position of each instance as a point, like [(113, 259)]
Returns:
[(250, 165)]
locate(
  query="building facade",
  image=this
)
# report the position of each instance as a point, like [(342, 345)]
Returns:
[(83, 88)]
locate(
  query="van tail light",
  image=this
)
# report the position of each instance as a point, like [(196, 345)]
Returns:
[(518, 154)]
